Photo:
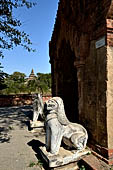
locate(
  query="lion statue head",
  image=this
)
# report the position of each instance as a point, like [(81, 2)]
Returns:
[(56, 105)]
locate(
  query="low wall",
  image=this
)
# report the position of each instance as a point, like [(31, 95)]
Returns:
[(18, 100)]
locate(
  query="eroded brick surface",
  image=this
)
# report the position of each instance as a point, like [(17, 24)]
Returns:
[(81, 68)]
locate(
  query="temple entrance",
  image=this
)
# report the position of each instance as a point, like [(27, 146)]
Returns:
[(67, 82)]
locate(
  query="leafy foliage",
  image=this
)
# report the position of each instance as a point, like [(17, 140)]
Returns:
[(32, 86), (44, 82), (14, 83), (17, 83), (10, 34), (18, 77), (2, 77)]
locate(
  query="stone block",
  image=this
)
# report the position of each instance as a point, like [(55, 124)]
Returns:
[(63, 158), (36, 126), (71, 166)]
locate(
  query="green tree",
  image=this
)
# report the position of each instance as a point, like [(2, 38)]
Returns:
[(10, 35), (15, 83), (41, 84), (2, 77), (18, 77), (44, 82), (32, 86)]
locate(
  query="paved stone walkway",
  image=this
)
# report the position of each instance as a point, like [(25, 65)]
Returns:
[(18, 146)]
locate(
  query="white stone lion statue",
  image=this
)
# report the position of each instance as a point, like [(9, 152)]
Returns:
[(38, 106), (59, 128)]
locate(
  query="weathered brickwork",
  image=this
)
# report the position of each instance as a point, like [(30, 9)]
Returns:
[(110, 32), (81, 57), (18, 100), (110, 95)]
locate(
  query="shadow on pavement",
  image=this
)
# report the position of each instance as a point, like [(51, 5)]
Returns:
[(36, 144), (10, 117)]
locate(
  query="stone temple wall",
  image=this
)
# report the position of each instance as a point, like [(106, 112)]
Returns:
[(81, 57)]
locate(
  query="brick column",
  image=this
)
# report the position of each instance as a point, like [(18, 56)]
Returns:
[(109, 95), (80, 72)]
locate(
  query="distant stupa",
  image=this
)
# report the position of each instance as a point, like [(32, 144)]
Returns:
[(32, 75)]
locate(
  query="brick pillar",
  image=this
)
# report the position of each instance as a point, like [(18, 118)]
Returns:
[(105, 103), (80, 76), (109, 95)]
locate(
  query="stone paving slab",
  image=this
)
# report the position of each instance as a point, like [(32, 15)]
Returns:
[(15, 151), (19, 148)]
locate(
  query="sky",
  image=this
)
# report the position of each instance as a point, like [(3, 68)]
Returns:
[(38, 22)]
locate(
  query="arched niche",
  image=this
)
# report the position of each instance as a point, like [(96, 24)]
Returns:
[(67, 83)]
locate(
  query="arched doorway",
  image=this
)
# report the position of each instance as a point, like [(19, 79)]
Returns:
[(67, 84)]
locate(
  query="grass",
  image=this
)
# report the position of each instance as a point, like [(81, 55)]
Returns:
[(32, 164), (11, 128), (82, 167), (39, 163)]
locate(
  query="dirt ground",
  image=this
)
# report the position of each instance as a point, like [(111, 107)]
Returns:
[(18, 146)]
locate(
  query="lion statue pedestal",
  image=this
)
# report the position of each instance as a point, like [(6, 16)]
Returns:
[(38, 106), (58, 129)]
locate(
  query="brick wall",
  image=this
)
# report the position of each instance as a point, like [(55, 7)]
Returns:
[(18, 100), (109, 32), (79, 26)]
